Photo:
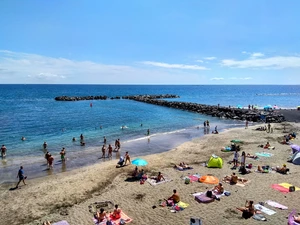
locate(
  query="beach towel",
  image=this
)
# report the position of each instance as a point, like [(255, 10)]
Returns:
[(264, 154), (193, 178), (265, 210), (202, 198), (259, 217), (63, 222), (124, 217), (276, 205), (283, 187), (182, 204), (154, 183)]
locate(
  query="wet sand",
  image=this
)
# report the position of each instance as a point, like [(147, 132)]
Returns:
[(67, 196)]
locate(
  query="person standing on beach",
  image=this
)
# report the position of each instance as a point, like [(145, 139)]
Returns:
[(3, 151), (21, 176), (47, 155), (246, 127), (109, 155), (63, 154), (269, 128), (103, 151), (235, 158), (50, 161), (148, 132), (127, 158), (207, 123), (204, 124), (104, 140)]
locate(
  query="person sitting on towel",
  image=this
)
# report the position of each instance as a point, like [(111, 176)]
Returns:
[(248, 210), (175, 197), (101, 215), (135, 172), (159, 177), (233, 179), (219, 189), (116, 213)]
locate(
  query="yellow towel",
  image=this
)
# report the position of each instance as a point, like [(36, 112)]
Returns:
[(287, 185), (182, 204)]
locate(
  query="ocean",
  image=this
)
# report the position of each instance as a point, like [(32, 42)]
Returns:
[(32, 112)]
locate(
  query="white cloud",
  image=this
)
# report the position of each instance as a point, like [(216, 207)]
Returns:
[(240, 78), (210, 58), (16, 67), (217, 78), (200, 61), (257, 55), (175, 66), (275, 62)]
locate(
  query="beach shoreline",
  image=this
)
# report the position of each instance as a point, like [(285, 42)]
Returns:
[(67, 195)]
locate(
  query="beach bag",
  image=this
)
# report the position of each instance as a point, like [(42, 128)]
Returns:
[(187, 180), (292, 189), (195, 221)]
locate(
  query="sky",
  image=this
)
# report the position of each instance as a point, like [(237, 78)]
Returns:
[(149, 42)]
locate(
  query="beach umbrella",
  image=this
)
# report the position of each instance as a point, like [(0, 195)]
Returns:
[(267, 107), (139, 162), (209, 179), (239, 106)]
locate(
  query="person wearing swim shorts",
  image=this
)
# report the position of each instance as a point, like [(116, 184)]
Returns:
[(21, 176), (63, 154)]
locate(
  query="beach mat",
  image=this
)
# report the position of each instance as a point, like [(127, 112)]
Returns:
[(193, 178), (276, 205), (265, 210), (63, 222), (283, 187), (264, 154), (154, 183)]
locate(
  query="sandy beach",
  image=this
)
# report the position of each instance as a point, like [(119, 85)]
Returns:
[(67, 196)]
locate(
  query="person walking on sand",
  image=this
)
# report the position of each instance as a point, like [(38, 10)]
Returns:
[(110, 149), (3, 151), (63, 154), (50, 161), (103, 151), (21, 176), (127, 158)]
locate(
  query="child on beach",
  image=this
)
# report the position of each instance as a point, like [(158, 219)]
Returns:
[(235, 159)]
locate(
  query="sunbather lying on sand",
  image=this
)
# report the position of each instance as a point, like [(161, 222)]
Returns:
[(251, 156), (263, 169), (182, 166), (282, 170), (239, 179), (297, 219)]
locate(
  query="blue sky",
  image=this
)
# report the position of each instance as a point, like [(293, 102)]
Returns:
[(150, 42)]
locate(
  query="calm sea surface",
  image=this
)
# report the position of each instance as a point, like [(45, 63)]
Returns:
[(32, 112)]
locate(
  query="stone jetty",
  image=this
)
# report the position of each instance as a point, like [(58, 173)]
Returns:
[(215, 111)]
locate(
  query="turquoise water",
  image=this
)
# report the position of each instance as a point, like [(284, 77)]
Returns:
[(32, 112)]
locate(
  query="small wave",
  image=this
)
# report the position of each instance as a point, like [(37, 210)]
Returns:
[(277, 94), (152, 135)]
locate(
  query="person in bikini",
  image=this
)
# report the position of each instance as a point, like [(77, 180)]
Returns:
[(116, 213), (110, 150), (101, 215), (248, 210), (103, 151), (219, 189), (127, 158)]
